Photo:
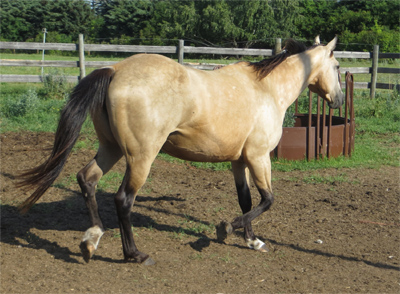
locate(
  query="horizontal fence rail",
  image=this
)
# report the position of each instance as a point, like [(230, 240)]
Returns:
[(180, 50), (39, 46), (31, 79)]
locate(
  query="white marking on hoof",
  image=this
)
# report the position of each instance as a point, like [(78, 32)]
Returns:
[(257, 245), (93, 236)]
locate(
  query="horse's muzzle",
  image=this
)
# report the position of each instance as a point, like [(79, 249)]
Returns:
[(338, 101)]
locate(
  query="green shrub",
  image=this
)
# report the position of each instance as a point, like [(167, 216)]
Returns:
[(20, 105), (385, 104), (56, 86)]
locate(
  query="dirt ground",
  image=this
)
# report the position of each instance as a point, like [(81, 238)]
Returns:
[(338, 235)]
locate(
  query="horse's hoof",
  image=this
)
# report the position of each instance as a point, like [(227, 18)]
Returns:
[(87, 250), (223, 230), (257, 245), (263, 248), (149, 261), (140, 258)]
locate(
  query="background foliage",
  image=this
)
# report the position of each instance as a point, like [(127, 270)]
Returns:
[(360, 24)]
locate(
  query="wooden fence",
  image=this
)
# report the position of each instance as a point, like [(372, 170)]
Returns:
[(180, 51)]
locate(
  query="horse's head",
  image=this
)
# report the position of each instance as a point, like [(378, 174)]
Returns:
[(326, 80)]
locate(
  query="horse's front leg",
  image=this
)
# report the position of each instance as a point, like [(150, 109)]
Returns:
[(241, 176), (260, 169)]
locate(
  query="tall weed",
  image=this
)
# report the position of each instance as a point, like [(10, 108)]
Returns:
[(383, 104), (55, 86), (20, 105)]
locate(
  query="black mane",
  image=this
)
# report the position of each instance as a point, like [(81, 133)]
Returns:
[(264, 67)]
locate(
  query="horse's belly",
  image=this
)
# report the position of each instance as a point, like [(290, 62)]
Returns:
[(202, 148)]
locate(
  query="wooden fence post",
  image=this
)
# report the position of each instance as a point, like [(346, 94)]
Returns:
[(374, 74), (81, 57), (181, 48), (278, 46)]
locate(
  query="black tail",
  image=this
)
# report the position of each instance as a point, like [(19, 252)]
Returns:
[(87, 96)]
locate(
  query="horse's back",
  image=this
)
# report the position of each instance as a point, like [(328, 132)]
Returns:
[(154, 85)]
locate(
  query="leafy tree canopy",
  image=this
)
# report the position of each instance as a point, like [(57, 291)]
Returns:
[(22, 20), (233, 23)]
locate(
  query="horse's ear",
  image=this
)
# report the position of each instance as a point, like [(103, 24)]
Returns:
[(317, 41), (332, 44)]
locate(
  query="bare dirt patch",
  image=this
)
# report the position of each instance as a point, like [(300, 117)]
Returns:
[(337, 233)]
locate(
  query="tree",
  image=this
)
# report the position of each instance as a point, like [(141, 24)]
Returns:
[(234, 23), (286, 15), (124, 18), (313, 18), (170, 20), (69, 17), (361, 24), (385, 12), (24, 19), (15, 24), (237, 23)]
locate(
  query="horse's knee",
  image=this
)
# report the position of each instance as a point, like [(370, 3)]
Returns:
[(270, 199), (88, 177), (87, 188), (80, 177), (267, 199)]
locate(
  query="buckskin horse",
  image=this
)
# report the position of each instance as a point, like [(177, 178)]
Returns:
[(147, 103)]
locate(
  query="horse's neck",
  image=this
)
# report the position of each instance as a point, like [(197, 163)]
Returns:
[(289, 79)]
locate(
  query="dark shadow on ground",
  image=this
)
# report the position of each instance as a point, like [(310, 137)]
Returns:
[(71, 215)]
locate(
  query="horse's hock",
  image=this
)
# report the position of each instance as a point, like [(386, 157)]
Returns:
[(317, 135)]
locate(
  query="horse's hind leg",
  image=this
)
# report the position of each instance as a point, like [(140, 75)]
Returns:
[(135, 177), (241, 176), (88, 178)]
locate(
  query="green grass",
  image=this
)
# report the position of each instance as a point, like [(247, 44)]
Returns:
[(331, 180), (110, 181), (32, 107), (22, 109)]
